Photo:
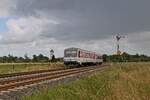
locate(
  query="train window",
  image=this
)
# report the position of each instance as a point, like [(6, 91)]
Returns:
[(70, 53), (99, 57)]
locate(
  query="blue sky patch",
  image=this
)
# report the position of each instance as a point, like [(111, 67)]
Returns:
[(3, 26), (3, 21)]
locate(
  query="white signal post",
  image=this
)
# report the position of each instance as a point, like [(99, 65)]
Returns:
[(51, 54), (118, 37)]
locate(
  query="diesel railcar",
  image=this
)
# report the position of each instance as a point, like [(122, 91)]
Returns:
[(77, 56)]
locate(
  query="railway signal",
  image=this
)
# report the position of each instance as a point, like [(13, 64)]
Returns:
[(52, 56), (51, 53), (118, 37)]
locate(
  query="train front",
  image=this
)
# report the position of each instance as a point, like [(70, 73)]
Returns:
[(70, 56)]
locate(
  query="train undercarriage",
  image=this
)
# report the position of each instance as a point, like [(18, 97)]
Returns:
[(81, 64)]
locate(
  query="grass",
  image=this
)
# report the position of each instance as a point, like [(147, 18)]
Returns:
[(122, 81), (21, 67)]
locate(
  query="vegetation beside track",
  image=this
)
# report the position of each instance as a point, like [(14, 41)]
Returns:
[(123, 81), (21, 67)]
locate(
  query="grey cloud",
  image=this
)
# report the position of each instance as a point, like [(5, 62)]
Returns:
[(89, 19), (5, 7)]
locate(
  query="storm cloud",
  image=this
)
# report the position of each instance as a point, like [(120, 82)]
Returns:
[(83, 23)]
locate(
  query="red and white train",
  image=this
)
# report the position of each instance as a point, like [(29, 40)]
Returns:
[(77, 56)]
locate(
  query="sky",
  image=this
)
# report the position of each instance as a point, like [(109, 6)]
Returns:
[(36, 26)]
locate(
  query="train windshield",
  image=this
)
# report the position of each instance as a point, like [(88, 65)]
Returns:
[(70, 53)]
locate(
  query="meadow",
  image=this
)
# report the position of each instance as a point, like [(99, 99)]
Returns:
[(23, 67), (122, 81)]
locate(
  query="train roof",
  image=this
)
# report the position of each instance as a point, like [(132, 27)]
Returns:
[(82, 50)]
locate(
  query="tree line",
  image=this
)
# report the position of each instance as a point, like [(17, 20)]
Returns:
[(43, 59), (35, 58), (126, 58)]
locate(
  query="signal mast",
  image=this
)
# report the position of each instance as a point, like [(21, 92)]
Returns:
[(51, 53), (118, 37)]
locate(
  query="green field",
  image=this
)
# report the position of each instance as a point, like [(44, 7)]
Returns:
[(122, 81), (21, 67)]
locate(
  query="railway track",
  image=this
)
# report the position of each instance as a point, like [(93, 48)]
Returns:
[(15, 80), (26, 73)]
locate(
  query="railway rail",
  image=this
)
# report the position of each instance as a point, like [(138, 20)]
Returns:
[(15, 80), (26, 73)]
